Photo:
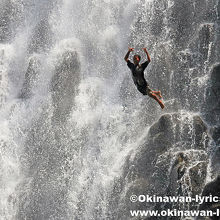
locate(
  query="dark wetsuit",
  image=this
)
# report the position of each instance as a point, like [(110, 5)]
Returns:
[(138, 77)]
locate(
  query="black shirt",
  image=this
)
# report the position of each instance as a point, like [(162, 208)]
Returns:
[(138, 72)]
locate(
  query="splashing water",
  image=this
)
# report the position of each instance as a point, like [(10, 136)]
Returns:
[(72, 122)]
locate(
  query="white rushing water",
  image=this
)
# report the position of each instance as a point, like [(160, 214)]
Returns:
[(99, 32), (70, 115)]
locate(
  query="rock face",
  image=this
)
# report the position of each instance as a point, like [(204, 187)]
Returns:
[(171, 161), (187, 47), (45, 155), (9, 14), (41, 39), (64, 84), (212, 116), (212, 107), (31, 78), (213, 189)]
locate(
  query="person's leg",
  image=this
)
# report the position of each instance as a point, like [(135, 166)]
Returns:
[(154, 96)]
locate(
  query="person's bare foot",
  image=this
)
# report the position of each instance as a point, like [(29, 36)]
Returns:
[(162, 105), (159, 94)]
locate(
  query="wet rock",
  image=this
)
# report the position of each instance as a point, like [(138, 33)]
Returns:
[(163, 164), (215, 132), (212, 108), (215, 78), (206, 36), (197, 176), (4, 25), (216, 159), (31, 77), (212, 115), (200, 130), (64, 84), (41, 38), (9, 14), (213, 189), (164, 135), (157, 23), (178, 170), (181, 19)]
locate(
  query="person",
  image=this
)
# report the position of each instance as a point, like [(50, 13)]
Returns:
[(137, 70)]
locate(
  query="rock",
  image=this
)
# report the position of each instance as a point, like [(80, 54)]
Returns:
[(200, 130), (212, 107), (163, 165), (212, 188), (45, 154), (64, 84), (215, 76), (206, 36), (31, 76), (42, 37), (197, 175), (10, 13), (215, 132), (181, 18)]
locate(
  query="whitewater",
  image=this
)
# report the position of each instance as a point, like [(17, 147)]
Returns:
[(77, 138)]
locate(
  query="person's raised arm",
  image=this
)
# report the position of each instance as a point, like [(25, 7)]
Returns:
[(127, 54), (148, 56)]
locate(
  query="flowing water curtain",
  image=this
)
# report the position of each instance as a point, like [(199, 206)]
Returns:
[(78, 139)]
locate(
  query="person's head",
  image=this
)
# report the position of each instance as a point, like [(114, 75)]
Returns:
[(136, 59)]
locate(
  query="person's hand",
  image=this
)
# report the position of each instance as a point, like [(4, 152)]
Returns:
[(145, 49), (130, 49)]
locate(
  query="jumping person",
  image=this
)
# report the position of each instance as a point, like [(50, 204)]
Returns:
[(137, 70)]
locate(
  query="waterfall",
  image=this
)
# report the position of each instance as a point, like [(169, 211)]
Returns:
[(77, 139)]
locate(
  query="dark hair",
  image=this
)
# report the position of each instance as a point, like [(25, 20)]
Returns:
[(136, 55)]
